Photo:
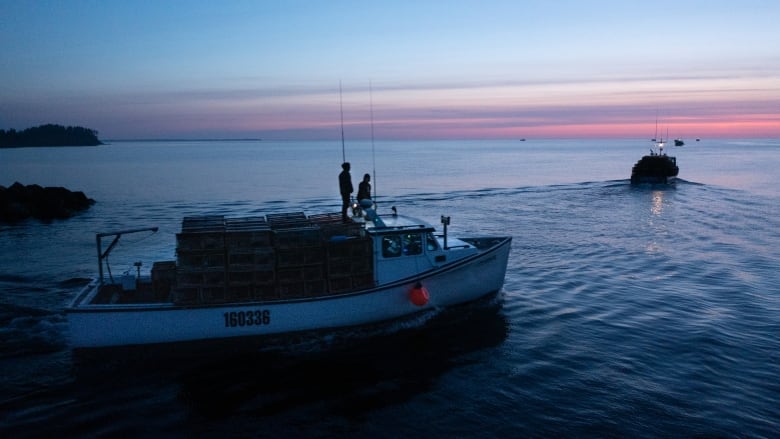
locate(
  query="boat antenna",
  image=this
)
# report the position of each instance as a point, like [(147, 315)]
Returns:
[(373, 150), (655, 136), (667, 139), (341, 107)]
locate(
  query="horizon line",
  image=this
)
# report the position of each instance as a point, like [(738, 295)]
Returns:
[(519, 139)]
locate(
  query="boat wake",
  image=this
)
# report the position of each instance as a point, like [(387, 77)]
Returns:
[(28, 331)]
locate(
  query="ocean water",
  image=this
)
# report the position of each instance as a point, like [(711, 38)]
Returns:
[(626, 311)]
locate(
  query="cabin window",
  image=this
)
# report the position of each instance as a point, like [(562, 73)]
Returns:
[(412, 244), (430, 242), (409, 244), (391, 246)]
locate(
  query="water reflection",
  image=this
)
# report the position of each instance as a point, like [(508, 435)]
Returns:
[(656, 211), (342, 371), (657, 206), (351, 379)]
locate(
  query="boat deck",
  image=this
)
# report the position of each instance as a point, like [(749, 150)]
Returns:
[(283, 257)]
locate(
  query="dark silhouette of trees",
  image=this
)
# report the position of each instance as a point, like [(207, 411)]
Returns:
[(49, 135)]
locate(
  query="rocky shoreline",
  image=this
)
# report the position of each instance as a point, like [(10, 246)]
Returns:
[(19, 202)]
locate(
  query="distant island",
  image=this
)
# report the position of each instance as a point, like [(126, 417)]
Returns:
[(49, 135)]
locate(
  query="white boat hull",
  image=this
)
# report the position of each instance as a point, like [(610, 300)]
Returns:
[(103, 325)]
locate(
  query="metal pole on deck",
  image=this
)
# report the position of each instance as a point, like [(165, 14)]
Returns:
[(445, 220), (117, 235), (100, 257)]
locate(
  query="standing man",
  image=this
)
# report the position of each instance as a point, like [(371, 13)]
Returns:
[(345, 186)]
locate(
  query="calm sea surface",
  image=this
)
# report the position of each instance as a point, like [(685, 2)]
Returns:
[(626, 311)]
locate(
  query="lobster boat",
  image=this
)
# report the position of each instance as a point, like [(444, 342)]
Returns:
[(282, 273), (655, 168)]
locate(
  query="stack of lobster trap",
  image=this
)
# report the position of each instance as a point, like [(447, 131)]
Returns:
[(273, 257), (250, 259), (349, 256), (200, 259)]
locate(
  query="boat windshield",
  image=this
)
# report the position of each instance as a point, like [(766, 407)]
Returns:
[(406, 244), (430, 242)]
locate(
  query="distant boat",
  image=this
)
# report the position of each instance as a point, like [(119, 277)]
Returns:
[(698, 140), (657, 167), (678, 142)]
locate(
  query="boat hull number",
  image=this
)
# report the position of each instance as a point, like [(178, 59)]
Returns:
[(257, 317)]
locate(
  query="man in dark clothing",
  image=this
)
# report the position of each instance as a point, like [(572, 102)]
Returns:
[(345, 186), (364, 189)]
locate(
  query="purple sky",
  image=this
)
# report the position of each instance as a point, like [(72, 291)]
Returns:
[(197, 69)]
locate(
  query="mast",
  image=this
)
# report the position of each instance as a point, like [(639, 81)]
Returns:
[(373, 151), (655, 135), (341, 107), (667, 139)]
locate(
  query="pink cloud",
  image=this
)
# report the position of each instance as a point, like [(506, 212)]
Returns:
[(713, 107)]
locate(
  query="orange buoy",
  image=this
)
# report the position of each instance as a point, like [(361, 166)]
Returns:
[(419, 295)]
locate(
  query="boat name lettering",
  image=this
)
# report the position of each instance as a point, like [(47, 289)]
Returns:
[(257, 317)]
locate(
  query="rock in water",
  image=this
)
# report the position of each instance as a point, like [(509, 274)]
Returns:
[(19, 202)]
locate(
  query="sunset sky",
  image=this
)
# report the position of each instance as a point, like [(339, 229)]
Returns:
[(437, 69)]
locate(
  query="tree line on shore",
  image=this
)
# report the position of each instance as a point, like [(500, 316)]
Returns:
[(49, 135)]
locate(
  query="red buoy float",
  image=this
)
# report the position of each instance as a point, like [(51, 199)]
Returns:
[(419, 295)]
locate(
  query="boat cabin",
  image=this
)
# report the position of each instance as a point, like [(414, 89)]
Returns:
[(406, 247)]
